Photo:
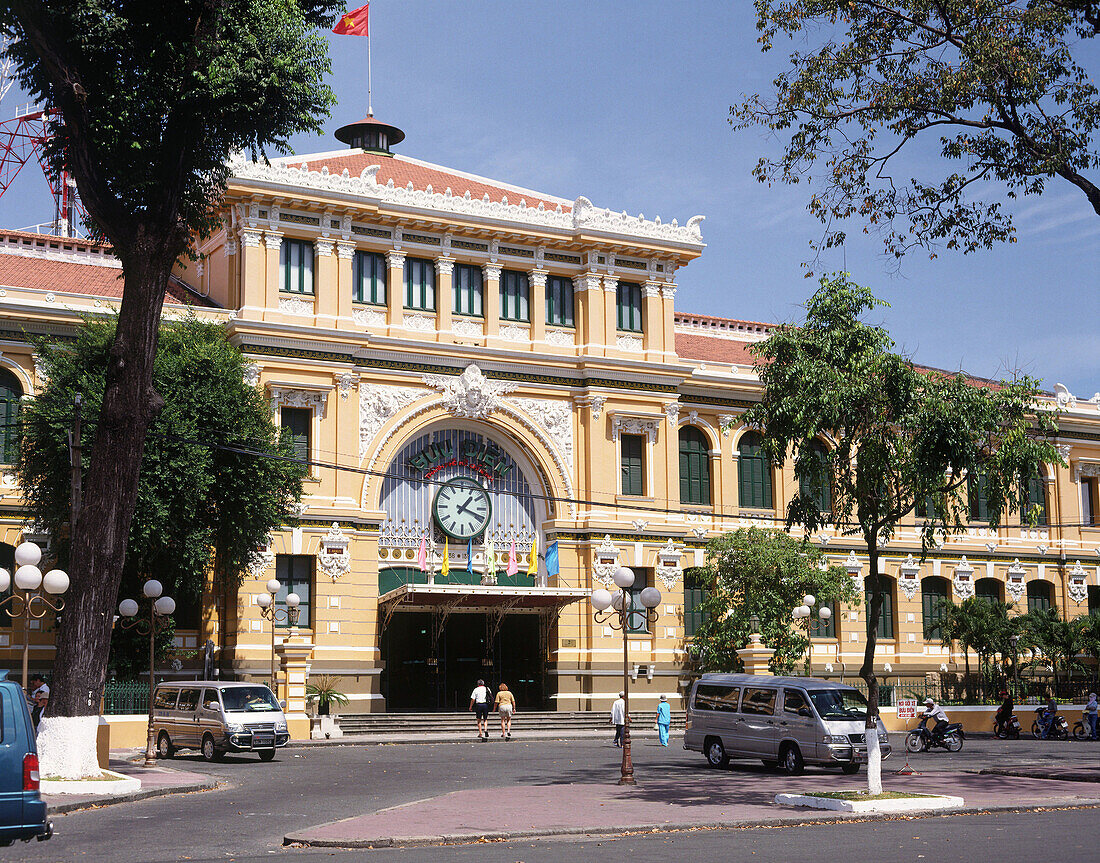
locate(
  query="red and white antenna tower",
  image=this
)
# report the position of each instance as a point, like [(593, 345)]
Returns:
[(24, 136)]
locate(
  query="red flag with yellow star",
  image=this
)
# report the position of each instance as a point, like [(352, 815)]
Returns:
[(353, 23)]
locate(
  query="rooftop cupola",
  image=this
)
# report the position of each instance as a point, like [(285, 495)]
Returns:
[(370, 135)]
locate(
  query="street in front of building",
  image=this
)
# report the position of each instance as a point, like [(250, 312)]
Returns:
[(257, 805)]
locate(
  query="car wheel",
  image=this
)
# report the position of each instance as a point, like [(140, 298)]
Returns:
[(914, 742), (953, 741), (715, 752), (790, 759), (849, 769), (209, 750), (266, 754), (165, 749)]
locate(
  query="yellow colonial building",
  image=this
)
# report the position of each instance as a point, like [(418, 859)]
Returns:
[(500, 404)]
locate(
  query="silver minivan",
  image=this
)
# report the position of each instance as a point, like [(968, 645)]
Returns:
[(216, 717), (784, 721)]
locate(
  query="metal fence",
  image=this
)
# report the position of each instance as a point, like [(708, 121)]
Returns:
[(125, 696), (955, 691)]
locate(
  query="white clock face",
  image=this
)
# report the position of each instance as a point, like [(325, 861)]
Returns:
[(462, 508)]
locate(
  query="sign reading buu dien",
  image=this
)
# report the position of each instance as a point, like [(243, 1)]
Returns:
[(483, 457)]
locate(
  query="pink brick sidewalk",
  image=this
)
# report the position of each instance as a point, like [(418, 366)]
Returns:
[(713, 799)]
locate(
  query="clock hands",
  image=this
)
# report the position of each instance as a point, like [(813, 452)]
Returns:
[(462, 508)]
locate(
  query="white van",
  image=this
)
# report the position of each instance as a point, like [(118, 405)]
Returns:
[(785, 721), (216, 717)]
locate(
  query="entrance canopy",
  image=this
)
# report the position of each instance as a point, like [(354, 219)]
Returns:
[(477, 597)]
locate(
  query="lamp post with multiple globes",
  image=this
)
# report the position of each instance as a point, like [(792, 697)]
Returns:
[(160, 609), (616, 611), (268, 611), (30, 604), (804, 613)]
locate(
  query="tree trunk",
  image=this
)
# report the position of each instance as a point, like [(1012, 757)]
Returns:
[(867, 671), (101, 533), (966, 666)]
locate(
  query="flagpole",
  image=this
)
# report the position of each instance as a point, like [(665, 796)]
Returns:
[(370, 103)]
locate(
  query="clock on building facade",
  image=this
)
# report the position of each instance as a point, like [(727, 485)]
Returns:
[(462, 508)]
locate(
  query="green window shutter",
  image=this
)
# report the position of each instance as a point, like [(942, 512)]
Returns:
[(886, 618), (754, 474), (694, 467), (295, 575), (368, 278), (825, 628), (821, 490), (296, 266), (632, 449), (934, 590), (515, 291), (559, 301), (979, 502), (989, 590), (296, 422), (628, 301), (467, 290), (419, 284), (11, 394), (1038, 595), (1037, 497)]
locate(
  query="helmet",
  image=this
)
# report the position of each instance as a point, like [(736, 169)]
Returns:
[(929, 701)]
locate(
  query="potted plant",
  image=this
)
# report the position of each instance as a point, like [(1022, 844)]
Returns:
[(322, 692)]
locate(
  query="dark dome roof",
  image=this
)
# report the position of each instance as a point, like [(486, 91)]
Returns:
[(370, 134)]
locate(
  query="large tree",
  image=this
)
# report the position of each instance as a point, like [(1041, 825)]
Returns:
[(897, 436), (763, 573), (201, 509), (147, 101), (972, 100)]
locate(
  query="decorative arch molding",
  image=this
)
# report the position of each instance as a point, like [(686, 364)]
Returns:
[(25, 378), (542, 461), (713, 434)]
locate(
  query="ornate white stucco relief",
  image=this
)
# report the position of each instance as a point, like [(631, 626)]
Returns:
[(556, 419), (512, 333), (251, 374), (634, 425), (347, 382), (964, 579), (296, 307), (369, 317), (471, 394), (668, 564), (419, 323), (1015, 584), (377, 404), (334, 559), (908, 579), (605, 563), (1078, 588), (468, 329), (260, 561), (629, 343), (562, 338), (299, 398)]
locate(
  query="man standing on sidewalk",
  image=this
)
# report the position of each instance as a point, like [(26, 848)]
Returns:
[(479, 703), (618, 718)]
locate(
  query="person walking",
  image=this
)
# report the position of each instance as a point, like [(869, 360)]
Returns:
[(618, 717), (1090, 715), (479, 703), (40, 697), (664, 720), (505, 704)]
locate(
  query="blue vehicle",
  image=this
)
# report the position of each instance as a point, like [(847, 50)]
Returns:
[(22, 810)]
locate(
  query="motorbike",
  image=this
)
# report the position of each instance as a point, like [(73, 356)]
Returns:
[(1010, 728), (1081, 729), (920, 739), (1059, 729)]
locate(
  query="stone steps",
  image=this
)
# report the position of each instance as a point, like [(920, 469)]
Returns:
[(406, 724)]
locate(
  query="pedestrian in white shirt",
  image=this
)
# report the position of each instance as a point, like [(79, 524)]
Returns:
[(618, 717), (479, 703)]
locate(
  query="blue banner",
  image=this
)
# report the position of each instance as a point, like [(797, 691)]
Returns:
[(552, 567), (470, 555)]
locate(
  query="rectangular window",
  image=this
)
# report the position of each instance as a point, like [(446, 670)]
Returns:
[(638, 620), (296, 266), (420, 284), (1094, 600), (559, 301), (632, 454), (165, 699), (759, 702), (628, 299), (368, 278), (296, 423), (189, 700), (794, 703), (695, 594), (979, 501), (886, 617), (824, 628), (467, 290), (295, 574), (711, 696), (515, 292), (1090, 512)]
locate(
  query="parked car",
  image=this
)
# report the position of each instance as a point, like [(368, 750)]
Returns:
[(217, 717), (22, 810), (784, 721)]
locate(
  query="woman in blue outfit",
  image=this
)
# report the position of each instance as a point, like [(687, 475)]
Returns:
[(664, 720)]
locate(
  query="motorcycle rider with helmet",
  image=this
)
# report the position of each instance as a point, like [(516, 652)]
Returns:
[(1004, 712), (934, 711)]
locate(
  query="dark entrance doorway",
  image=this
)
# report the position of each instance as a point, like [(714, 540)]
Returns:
[(410, 682)]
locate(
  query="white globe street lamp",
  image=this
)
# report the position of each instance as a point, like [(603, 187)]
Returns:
[(30, 604), (160, 607), (269, 611)]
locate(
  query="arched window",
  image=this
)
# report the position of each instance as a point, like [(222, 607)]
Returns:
[(694, 466), (820, 488), (1040, 595), (10, 394), (990, 590), (886, 618), (934, 591), (754, 474)]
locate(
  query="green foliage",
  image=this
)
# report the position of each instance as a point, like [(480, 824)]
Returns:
[(198, 507), (130, 648), (1058, 641), (982, 626), (993, 85), (897, 434), (153, 97), (763, 573), (322, 691)]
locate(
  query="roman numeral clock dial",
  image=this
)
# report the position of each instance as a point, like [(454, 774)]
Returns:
[(462, 508)]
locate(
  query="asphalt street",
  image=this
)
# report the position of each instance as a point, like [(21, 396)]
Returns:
[(259, 803)]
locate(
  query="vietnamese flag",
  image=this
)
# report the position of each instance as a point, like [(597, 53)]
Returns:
[(353, 23)]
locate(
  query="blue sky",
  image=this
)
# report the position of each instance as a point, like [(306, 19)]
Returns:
[(627, 103)]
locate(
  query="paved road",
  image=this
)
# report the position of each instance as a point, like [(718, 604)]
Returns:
[(247, 819)]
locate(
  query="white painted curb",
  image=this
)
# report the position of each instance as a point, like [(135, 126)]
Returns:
[(895, 804), (120, 785)]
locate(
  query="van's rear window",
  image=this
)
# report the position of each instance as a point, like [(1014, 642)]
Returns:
[(165, 699), (712, 696)]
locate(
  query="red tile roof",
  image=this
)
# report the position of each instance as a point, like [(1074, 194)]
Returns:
[(69, 277), (422, 174), (713, 350)]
